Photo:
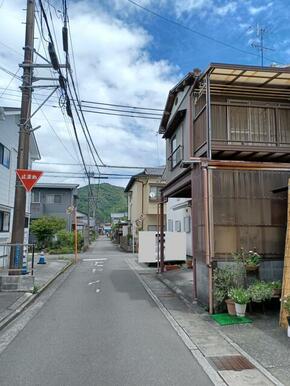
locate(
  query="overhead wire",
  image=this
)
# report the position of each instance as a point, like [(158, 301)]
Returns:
[(176, 23)]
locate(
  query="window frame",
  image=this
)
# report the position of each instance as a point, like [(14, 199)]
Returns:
[(3, 228), (33, 201), (5, 156)]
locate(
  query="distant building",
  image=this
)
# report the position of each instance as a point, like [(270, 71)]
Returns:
[(9, 136), (51, 199), (116, 217), (82, 221), (143, 192)]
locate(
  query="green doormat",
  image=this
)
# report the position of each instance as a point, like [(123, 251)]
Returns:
[(226, 319)]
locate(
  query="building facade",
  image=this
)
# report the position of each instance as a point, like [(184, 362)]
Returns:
[(52, 199), (143, 193), (227, 133), (9, 138)]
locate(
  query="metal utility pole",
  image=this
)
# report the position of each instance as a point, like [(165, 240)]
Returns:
[(16, 254)]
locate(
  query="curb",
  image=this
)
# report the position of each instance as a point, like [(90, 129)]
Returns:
[(13, 315), (259, 367)]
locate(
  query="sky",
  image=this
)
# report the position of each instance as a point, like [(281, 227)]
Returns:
[(125, 53)]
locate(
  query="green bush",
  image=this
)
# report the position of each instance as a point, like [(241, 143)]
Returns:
[(66, 240), (225, 279), (260, 291), (239, 295), (45, 229)]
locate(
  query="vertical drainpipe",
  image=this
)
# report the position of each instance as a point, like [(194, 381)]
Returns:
[(207, 235), (162, 233), (208, 116), (194, 287), (207, 207)]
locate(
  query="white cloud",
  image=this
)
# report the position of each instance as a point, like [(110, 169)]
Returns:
[(256, 10), (113, 66)]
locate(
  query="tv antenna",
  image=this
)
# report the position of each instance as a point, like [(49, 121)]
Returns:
[(260, 41)]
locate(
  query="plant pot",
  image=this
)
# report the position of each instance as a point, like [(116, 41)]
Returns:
[(240, 309), (231, 306), (277, 292), (252, 268)]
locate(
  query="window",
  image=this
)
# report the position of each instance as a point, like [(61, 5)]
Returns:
[(187, 224), (173, 151), (4, 156), (154, 192), (35, 197), (54, 199), (250, 122), (4, 221), (170, 225), (177, 226)]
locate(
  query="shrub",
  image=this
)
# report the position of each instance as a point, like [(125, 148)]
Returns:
[(286, 304), (239, 295), (260, 291), (45, 229), (225, 279), (251, 258)]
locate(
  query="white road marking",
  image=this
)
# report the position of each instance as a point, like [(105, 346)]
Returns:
[(102, 259), (99, 264), (94, 270), (94, 282), (100, 269), (98, 290)]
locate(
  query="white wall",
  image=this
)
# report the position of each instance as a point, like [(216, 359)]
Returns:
[(179, 214), (9, 132)]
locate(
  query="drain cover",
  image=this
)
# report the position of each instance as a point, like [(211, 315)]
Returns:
[(231, 362)]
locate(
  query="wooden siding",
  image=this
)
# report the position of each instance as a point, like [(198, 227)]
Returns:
[(246, 212)]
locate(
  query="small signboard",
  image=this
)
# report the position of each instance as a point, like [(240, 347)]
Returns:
[(28, 177)]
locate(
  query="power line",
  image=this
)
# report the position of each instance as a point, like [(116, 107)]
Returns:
[(125, 106), (123, 111), (120, 115), (174, 22), (101, 166)]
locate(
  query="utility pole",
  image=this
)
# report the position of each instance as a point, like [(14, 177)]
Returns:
[(16, 254)]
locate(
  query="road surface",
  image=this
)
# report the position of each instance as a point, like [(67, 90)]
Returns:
[(99, 328)]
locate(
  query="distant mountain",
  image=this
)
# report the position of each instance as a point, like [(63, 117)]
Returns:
[(110, 199)]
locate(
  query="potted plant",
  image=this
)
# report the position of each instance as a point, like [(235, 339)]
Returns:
[(224, 279), (260, 291), (251, 259), (276, 288), (286, 305), (241, 297)]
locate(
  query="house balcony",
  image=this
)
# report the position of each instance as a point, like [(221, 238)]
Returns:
[(243, 131)]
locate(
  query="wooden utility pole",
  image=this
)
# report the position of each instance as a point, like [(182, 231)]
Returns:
[(16, 254)]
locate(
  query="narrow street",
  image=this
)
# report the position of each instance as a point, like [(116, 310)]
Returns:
[(100, 327)]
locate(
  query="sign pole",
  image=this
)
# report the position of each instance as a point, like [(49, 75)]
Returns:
[(23, 145), (76, 235)]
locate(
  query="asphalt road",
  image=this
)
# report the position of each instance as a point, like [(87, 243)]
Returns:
[(99, 328)]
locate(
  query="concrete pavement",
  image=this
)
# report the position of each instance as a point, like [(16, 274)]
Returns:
[(12, 303), (99, 327)]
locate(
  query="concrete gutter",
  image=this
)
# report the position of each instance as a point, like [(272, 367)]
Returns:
[(20, 305)]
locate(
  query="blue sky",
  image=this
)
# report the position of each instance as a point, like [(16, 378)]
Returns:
[(232, 22), (125, 55)]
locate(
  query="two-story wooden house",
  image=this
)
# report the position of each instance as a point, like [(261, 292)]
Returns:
[(227, 135)]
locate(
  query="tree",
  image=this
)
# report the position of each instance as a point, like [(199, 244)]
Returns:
[(45, 228)]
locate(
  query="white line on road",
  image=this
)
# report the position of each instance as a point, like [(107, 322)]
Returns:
[(98, 290), (103, 259), (99, 264), (94, 270), (94, 282)]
